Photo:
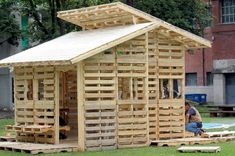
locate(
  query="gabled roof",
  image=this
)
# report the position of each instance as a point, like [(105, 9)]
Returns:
[(114, 14), (76, 46)]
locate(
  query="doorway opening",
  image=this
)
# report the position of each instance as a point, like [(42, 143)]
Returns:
[(68, 107)]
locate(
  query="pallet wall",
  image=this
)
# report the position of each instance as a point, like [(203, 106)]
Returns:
[(171, 89), (132, 102), (35, 101), (115, 100), (100, 103), (124, 93)]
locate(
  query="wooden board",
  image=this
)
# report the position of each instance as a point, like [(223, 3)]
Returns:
[(188, 134), (8, 138), (34, 148), (217, 134), (203, 149), (191, 141)]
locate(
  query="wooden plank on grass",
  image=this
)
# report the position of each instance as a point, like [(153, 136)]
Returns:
[(204, 149), (218, 134)]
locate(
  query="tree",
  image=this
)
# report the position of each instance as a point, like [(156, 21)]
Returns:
[(191, 15), (45, 25), (9, 28)]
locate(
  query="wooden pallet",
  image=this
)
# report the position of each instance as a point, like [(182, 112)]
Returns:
[(32, 108), (37, 129), (8, 138), (203, 149), (191, 141), (188, 134), (218, 134), (33, 148)]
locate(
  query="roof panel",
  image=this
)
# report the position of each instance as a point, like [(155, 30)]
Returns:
[(72, 45)]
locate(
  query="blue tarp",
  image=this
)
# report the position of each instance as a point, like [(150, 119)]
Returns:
[(216, 125)]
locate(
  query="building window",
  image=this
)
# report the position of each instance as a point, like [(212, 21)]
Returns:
[(209, 79), (130, 88), (228, 11), (191, 79), (209, 9)]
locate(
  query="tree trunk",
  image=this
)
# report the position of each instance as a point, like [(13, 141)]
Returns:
[(36, 17), (52, 10), (60, 23), (84, 4)]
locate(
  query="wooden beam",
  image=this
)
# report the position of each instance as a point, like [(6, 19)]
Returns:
[(57, 107), (105, 20), (87, 9), (156, 40), (183, 86), (37, 63), (135, 20), (80, 105), (35, 96), (65, 68), (15, 99), (167, 34), (146, 83)]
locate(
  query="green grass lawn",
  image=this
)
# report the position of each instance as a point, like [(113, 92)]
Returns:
[(228, 148)]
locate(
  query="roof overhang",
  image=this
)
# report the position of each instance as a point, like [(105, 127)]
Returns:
[(35, 63)]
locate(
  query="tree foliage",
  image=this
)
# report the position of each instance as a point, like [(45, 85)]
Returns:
[(190, 15), (45, 25), (9, 28)]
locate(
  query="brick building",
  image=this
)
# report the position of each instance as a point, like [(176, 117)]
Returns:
[(212, 71)]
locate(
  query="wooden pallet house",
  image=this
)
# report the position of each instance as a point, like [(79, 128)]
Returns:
[(117, 83)]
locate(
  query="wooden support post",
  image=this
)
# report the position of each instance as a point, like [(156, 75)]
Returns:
[(156, 40), (146, 83), (80, 105), (135, 20), (15, 99), (183, 84), (57, 107), (35, 97)]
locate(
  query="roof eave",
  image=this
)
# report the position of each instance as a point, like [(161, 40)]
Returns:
[(36, 63)]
